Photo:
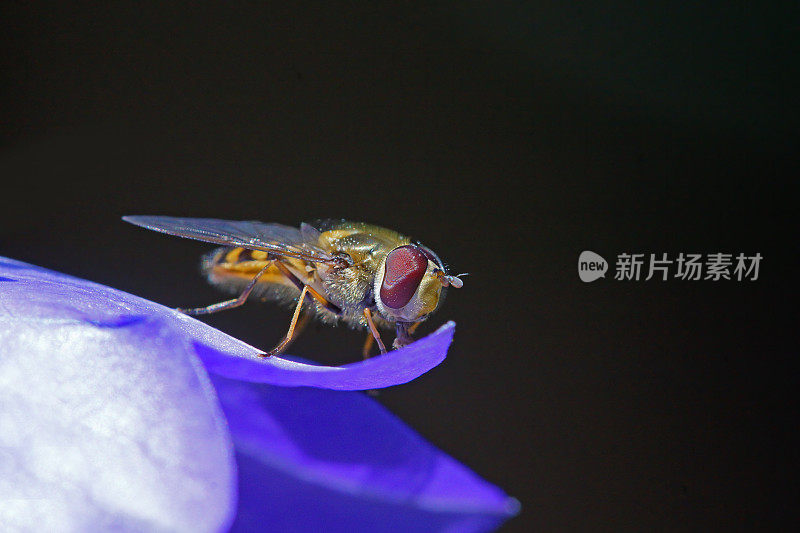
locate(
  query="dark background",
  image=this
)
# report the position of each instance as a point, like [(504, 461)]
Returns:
[(508, 138)]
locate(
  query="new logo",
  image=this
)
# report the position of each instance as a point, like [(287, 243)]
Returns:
[(591, 266)]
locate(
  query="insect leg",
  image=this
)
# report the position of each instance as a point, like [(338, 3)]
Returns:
[(288, 338), (368, 342), (373, 329), (404, 332), (227, 304), (300, 285)]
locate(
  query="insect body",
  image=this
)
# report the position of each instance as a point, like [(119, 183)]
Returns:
[(363, 275)]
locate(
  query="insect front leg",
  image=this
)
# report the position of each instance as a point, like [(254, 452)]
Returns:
[(367, 348), (404, 332), (374, 330), (227, 304)]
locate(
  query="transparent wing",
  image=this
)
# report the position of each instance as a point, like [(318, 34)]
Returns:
[(251, 234)]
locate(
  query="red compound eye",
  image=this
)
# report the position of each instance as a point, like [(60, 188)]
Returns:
[(405, 267)]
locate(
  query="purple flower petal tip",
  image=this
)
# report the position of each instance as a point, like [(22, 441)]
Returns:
[(393, 368)]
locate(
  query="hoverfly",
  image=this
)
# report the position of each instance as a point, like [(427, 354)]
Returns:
[(338, 271)]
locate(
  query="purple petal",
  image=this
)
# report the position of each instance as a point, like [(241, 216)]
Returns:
[(393, 368), (107, 420), (318, 460), (225, 355)]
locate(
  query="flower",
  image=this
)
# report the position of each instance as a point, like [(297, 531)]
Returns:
[(117, 413)]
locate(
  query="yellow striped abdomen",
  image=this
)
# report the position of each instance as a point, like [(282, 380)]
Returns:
[(233, 268)]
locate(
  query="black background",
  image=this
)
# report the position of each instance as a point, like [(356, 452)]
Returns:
[(508, 138)]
